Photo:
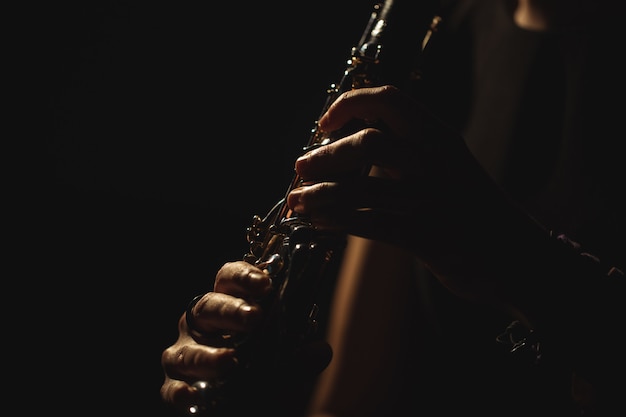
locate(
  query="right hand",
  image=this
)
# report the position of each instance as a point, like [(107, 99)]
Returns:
[(206, 354)]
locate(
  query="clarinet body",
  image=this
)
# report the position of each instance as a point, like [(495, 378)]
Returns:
[(302, 260), (298, 256)]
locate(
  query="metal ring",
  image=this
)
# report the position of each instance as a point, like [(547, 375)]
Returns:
[(189, 316)]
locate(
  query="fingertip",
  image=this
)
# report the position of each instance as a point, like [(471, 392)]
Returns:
[(323, 122), (180, 395), (294, 201), (250, 315), (262, 280)]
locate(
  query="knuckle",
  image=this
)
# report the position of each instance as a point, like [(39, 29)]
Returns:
[(388, 90)]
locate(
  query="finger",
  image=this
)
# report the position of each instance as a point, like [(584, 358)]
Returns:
[(180, 395), (386, 104), (335, 198), (377, 209), (352, 154), (191, 362), (243, 280), (218, 312)]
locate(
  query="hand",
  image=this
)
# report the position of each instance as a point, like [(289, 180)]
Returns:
[(228, 309), (207, 352), (429, 194), (423, 169)]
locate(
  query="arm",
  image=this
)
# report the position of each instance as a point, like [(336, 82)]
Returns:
[(373, 310), (438, 203)]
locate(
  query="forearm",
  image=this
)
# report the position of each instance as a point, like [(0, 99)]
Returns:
[(372, 309)]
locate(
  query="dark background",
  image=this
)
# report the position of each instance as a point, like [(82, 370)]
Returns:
[(166, 127)]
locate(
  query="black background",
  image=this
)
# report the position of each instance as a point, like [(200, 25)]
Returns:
[(166, 127)]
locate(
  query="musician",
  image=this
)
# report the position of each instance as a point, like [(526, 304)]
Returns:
[(483, 269)]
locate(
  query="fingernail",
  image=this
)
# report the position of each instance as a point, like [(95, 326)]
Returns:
[(249, 314), (310, 151), (322, 121)]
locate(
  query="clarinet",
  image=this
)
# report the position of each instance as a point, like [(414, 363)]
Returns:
[(302, 260), (299, 257)]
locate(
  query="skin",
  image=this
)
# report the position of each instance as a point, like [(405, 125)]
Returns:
[(367, 206), (456, 202), (187, 360)]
